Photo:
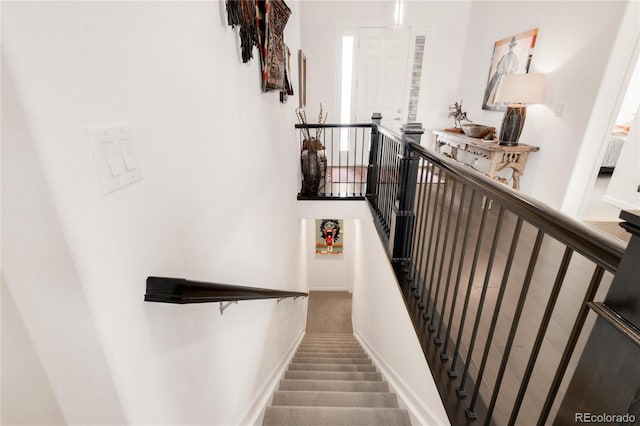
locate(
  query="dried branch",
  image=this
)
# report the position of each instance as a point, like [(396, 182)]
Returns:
[(321, 120), (302, 118)]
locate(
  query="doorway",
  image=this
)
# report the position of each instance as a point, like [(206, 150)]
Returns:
[(618, 174)]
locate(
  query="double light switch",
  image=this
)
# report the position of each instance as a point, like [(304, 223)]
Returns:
[(115, 155)]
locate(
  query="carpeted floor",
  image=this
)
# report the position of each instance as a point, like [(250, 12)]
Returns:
[(329, 312), (331, 380)]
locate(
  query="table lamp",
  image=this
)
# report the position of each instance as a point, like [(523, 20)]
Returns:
[(519, 89)]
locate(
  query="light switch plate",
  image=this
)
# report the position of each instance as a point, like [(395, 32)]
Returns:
[(115, 155), (560, 109)]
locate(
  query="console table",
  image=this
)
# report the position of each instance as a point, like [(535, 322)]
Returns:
[(500, 156)]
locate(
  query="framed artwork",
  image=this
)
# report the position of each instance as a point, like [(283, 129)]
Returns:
[(276, 14), (511, 55), (302, 78), (329, 236)]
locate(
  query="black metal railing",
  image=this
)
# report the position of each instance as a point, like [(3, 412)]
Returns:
[(499, 286), (343, 156), (502, 289)]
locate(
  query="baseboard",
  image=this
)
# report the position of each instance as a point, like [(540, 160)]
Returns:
[(330, 289), (619, 203), (411, 401), (255, 413)]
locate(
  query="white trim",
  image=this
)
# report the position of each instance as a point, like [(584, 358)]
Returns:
[(619, 203), (255, 414), (422, 414)]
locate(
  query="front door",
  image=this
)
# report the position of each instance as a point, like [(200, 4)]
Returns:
[(381, 75)]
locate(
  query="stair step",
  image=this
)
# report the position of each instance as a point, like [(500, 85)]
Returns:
[(330, 339), (329, 335), (332, 375), (333, 367), (330, 345), (324, 360), (331, 354), (335, 399), (335, 349), (302, 416), (333, 385)]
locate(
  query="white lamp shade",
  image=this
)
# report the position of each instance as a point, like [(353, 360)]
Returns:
[(522, 88)]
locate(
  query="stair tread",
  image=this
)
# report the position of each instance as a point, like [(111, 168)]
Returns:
[(333, 375), (333, 385), (331, 367), (354, 416), (332, 381), (335, 399), (310, 360), (331, 354)]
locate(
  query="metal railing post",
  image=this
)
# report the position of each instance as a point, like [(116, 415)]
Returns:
[(404, 207), (374, 159)]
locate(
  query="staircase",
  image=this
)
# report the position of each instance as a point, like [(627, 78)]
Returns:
[(331, 381)]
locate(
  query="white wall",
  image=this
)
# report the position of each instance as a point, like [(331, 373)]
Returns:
[(442, 22), (219, 160), (27, 396), (574, 42), (381, 322), (330, 272), (40, 275)]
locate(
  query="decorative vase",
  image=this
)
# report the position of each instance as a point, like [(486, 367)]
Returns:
[(311, 168)]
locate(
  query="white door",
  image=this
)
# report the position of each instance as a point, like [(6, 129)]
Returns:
[(381, 75)]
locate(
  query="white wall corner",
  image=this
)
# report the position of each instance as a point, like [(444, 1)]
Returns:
[(420, 412), (255, 413)]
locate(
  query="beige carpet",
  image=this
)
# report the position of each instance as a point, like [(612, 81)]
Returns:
[(329, 312), (331, 380)]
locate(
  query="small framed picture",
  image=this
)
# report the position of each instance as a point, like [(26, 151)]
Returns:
[(302, 78), (329, 236)]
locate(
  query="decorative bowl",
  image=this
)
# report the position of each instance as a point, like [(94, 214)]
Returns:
[(477, 130)]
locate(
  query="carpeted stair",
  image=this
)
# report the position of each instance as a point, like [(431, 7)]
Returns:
[(331, 381)]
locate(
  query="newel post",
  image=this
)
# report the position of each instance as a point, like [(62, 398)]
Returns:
[(372, 168), (404, 207)]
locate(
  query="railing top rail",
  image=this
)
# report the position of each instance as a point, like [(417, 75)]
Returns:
[(397, 137), (325, 125), (599, 248)]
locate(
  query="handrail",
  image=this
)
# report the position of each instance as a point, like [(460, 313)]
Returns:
[(416, 195), (325, 125), (616, 321), (602, 249), (182, 291), (396, 137)]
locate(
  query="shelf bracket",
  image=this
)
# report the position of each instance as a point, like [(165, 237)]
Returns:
[(224, 306)]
